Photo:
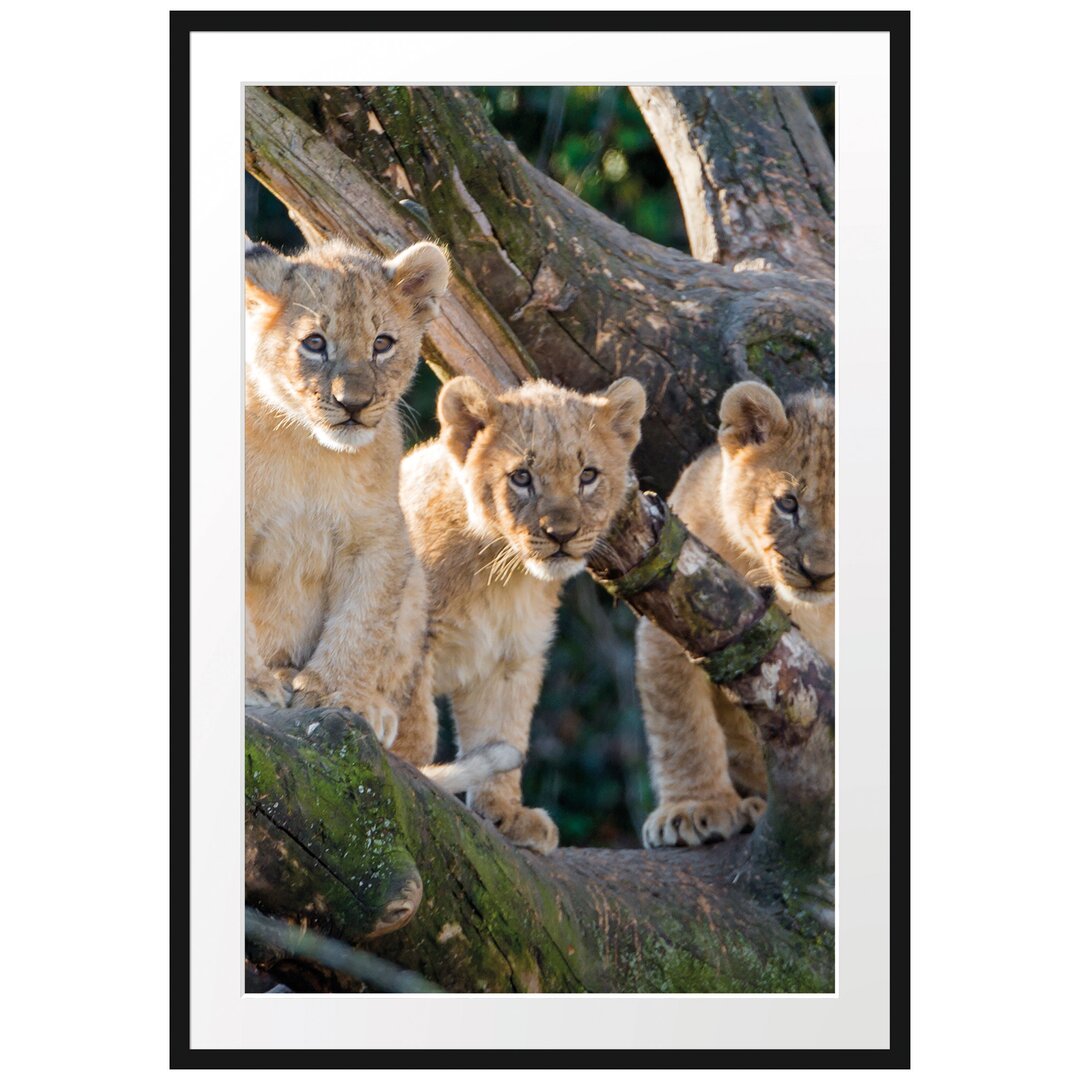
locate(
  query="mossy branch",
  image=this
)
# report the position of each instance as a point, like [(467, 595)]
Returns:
[(344, 838), (669, 576)]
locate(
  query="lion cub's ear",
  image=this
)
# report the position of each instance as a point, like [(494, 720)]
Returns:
[(421, 273), (750, 413), (465, 408), (264, 275), (624, 405)]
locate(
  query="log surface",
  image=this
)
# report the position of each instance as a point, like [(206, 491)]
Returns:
[(341, 832)]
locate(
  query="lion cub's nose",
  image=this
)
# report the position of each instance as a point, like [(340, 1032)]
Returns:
[(559, 532), (816, 575), (353, 405)]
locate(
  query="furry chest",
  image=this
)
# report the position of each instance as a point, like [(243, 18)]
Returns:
[(293, 548), (299, 521), (500, 628)]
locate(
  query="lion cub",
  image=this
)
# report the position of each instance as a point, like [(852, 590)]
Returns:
[(336, 599), (502, 509), (763, 500)]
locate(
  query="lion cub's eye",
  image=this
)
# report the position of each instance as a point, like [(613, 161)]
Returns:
[(521, 478), (314, 343), (383, 344), (588, 476), (788, 504)]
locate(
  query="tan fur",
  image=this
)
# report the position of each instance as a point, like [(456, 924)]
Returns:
[(705, 758), (497, 553), (336, 599)]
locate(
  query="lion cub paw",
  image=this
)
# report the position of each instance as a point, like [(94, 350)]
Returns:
[(383, 720), (266, 688), (310, 692), (525, 826), (755, 809), (691, 822)]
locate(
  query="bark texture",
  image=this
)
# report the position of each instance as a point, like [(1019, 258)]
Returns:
[(586, 299), (339, 832), (753, 172)]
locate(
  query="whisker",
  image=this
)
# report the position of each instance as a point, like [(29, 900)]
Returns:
[(508, 563), (314, 295), (513, 563), (285, 423), (608, 552), (496, 567), (759, 577), (517, 446), (410, 420)]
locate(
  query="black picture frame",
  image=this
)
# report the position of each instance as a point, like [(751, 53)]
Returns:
[(182, 25)]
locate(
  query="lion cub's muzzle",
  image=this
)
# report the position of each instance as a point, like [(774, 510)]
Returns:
[(353, 414), (353, 408), (817, 571), (812, 581), (572, 549), (353, 395)]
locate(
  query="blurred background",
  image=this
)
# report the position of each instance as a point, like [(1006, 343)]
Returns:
[(587, 759)]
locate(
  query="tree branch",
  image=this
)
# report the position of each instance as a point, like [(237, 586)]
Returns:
[(277, 940), (753, 173), (670, 577), (331, 817)]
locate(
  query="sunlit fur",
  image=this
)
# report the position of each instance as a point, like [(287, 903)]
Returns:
[(350, 297), (791, 552), (705, 758), (494, 570), (336, 599)]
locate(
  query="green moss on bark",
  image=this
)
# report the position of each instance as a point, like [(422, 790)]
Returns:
[(336, 824)]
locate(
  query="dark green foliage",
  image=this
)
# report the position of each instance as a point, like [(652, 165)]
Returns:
[(587, 760), (266, 219), (421, 423), (593, 140), (823, 103)]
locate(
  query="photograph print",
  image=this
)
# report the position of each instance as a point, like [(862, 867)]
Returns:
[(539, 539)]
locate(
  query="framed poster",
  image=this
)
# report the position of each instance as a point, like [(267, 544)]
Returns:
[(536, 170)]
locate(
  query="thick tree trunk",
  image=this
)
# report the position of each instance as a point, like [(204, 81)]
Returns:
[(341, 833), (753, 173), (586, 299)]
